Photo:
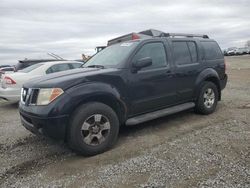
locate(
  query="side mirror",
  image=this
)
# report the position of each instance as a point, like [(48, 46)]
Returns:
[(143, 62)]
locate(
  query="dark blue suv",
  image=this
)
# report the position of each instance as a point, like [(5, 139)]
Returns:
[(137, 78)]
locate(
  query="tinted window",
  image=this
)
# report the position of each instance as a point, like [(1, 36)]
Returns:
[(156, 51), (58, 68), (211, 50), (181, 53), (75, 65), (20, 66), (193, 51)]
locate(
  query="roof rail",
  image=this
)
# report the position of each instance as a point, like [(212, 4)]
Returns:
[(157, 33), (149, 34), (183, 35)]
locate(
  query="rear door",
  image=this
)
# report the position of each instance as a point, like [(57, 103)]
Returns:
[(151, 87), (186, 58)]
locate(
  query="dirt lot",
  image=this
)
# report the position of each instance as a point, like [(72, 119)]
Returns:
[(182, 150)]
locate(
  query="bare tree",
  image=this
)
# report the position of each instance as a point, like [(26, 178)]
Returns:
[(248, 43)]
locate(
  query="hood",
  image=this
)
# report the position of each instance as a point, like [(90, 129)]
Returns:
[(66, 79)]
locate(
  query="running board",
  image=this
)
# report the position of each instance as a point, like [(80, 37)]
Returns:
[(159, 113)]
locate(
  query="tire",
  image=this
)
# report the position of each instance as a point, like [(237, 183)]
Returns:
[(207, 99), (94, 128)]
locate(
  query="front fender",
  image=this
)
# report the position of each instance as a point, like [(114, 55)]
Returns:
[(93, 91)]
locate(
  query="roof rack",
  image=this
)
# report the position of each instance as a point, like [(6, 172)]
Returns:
[(149, 34), (157, 33), (183, 35), (130, 36)]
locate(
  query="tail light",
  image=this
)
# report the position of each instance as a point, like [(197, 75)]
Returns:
[(135, 36), (9, 81)]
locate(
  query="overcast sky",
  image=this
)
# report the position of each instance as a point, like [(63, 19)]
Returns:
[(30, 28)]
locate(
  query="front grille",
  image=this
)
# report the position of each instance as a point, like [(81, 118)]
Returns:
[(34, 95), (29, 96)]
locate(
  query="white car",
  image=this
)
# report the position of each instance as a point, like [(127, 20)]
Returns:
[(6, 70), (11, 84)]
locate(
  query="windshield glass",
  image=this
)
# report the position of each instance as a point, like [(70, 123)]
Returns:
[(30, 68), (112, 55)]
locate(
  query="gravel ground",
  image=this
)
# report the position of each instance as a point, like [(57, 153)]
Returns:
[(181, 150)]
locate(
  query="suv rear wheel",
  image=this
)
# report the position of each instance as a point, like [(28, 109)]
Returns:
[(207, 100), (93, 129)]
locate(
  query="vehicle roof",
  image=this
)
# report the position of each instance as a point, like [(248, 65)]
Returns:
[(172, 38), (60, 62), (37, 60), (45, 65)]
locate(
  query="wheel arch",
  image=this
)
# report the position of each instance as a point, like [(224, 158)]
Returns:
[(208, 75), (98, 92), (117, 105)]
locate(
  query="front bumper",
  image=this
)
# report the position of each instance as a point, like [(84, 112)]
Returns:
[(10, 94), (223, 82), (54, 127)]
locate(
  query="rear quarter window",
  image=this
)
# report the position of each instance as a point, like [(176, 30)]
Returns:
[(75, 65), (212, 50)]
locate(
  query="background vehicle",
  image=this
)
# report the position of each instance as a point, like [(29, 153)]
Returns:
[(28, 62), (231, 51), (240, 51), (12, 83), (3, 66), (248, 50), (146, 76), (7, 69), (245, 50)]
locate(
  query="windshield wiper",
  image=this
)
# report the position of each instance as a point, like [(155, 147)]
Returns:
[(96, 66)]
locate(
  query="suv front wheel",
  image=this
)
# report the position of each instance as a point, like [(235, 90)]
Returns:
[(93, 129), (207, 99)]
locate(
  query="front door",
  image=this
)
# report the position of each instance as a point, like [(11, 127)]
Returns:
[(151, 87)]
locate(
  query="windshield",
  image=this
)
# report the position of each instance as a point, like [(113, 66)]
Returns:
[(30, 68), (111, 56)]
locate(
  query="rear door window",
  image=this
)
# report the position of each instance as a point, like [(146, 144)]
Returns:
[(58, 68), (212, 50), (181, 53), (193, 51), (185, 52), (75, 65)]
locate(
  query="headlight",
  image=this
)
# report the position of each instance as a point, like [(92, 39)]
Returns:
[(47, 95)]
